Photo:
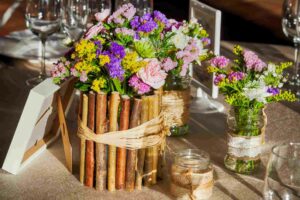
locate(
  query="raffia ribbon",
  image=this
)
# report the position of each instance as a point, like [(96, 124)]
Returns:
[(189, 185), (247, 147), (145, 135), (175, 106)]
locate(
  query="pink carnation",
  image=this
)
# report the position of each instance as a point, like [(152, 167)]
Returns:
[(253, 62), (219, 61), (152, 74), (83, 77), (101, 16), (138, 85), (126, 11), (168, 64), (94, 30)]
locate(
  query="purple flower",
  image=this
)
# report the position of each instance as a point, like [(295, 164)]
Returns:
[(273, 91), (134, 81), (219, 78), (99, 47), (117, 50), (219, 61), (253, 62), (236, 76), (143, 24), (143, 88), (206, 41), (114, 68), (160, 17)]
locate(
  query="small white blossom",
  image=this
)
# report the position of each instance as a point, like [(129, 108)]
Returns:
[(180, 40)]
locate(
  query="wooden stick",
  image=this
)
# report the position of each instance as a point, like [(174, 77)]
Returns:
[(89, 154), (113, 126), (149, 151), (121, 152), (141, 152), (156, 112), (132, 154), (82, 141), (101, 158)]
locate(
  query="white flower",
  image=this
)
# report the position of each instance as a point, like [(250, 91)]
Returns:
[(257, 90), (271, 68), (180, 40)]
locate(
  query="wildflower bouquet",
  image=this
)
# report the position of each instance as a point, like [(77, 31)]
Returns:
[(132, 54), (248, 85)]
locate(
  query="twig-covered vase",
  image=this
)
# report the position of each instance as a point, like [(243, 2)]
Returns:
[(245, 138), (175, 104)]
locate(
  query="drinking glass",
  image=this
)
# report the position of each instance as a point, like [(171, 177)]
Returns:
[(43, 18), (291, 29), (282, 180), (99, 6), (75, 15), (142, 6)]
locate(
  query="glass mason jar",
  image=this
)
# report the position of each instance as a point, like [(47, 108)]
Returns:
[(245, 137), (175, 104), (192, 175)]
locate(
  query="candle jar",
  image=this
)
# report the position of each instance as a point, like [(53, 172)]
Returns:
[(192, 175)]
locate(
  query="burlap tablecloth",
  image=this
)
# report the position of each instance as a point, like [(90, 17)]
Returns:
[(47, 177)]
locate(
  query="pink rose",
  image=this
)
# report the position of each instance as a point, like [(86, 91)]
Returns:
[(152, 74), (93, 31), (101, 16)]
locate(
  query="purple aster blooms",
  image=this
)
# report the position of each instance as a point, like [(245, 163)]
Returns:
[(236, 76), (158, 16), (253, 62), (273, 91), (117, 50), (206, 41), (148, 26), (135, 22), (219, 61), (115, 69), (219, 78)]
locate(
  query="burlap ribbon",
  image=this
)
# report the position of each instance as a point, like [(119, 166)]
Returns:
[(175, 105), (145, 135), (247, 147), (190, 185)]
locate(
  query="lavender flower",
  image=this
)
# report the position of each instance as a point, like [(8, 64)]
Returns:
[(117, 50), (219, 61), (273, 91), (143, 24), (115, 69), (206, 41), (253, 62), (160, 17), (236, 76)]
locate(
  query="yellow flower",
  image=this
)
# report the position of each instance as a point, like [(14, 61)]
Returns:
[(84, 66), (86, 50), (131, 63), (104, 59), (98, 84)]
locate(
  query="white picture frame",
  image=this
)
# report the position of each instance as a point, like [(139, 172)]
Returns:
[(210, 18), (38, 125)]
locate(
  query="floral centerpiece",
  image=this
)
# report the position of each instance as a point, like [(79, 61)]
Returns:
[(248, 84), (126, 58)]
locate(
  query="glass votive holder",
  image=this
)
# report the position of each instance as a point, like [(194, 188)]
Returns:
[(192, 175)]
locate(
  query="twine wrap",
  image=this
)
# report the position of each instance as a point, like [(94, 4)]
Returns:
[(175, 106), (189, 185), (145, 135), (247, 147)]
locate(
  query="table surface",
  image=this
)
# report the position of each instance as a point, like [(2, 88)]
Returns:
[(47, 177)]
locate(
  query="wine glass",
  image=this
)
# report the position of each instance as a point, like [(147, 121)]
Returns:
[(142, 6), (98, 6), (282, 180), (75, 15), (43, 18), (291, 29)]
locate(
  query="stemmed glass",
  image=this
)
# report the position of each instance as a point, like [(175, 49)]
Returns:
[(282, 180), (75, 15), (291, 29), (43, 18), (99, 6), (142, 6)]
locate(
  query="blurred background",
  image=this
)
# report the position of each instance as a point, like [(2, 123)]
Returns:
[(243, 20)]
